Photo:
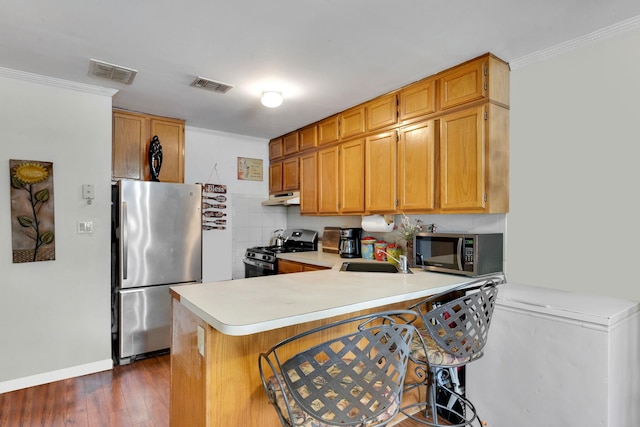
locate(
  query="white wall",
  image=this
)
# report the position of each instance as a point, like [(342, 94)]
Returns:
[(211, 156), (55, 317), (575, 148)]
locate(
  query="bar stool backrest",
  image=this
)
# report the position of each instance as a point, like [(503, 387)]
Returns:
[(461, 326)]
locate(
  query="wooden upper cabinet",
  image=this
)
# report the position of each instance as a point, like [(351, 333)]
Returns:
[(129, 135), (308, 137), (275, 177), (486, 77), (380, 172), (170, 133), (382, 112), (275, 149), (328, 184), (417, 167), (352, 122), (290, 174), (308, 183), (290, 143), (328, 130), (341, 178), (463, 84), (132, 134), (351, 177), (418, 99), (462, 160)]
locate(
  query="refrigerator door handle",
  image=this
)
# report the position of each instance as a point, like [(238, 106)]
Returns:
[(125, 244)]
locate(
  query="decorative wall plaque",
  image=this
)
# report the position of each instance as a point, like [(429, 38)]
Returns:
[(249, 169), (32, 213)]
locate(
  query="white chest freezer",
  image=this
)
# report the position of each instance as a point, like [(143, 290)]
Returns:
[(557, 358)]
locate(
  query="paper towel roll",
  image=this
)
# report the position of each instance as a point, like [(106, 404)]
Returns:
[(377, 223)]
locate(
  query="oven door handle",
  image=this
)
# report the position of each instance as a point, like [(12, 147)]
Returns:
[(261, 264)]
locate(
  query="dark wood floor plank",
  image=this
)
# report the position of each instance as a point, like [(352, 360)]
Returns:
[(135, 395)]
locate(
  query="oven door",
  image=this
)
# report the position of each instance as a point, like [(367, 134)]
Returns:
[(257, 268)]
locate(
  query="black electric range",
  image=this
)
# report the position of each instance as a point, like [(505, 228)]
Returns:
[(263, 261)]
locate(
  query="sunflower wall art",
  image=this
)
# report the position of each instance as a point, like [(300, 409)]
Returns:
[(32, 219)]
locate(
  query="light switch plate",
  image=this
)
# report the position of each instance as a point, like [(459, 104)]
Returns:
[(85, 227)]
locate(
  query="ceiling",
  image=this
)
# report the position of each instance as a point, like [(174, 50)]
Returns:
[(323, 55)]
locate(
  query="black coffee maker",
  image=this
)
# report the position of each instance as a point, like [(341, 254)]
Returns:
[(350, 243)]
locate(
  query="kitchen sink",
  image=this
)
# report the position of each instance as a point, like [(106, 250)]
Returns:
[(369, 267)]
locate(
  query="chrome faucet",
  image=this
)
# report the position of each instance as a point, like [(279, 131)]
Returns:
[(403, 266)]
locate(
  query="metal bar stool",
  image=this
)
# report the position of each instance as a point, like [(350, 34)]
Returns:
[(355, 379), (455, 329)]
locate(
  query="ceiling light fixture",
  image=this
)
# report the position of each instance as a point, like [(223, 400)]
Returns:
[(271, 99)]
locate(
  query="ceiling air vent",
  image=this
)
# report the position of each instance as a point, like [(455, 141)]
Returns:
[(111, 71), (211, 85)]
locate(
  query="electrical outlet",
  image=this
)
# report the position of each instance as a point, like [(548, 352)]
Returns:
[(201, 340)]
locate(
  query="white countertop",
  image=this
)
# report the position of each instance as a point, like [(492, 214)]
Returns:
[(247, 306)]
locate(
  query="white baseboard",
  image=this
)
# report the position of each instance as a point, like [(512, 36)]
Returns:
[(61, 374)]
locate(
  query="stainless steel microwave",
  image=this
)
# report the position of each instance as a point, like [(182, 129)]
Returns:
[(465, 254)]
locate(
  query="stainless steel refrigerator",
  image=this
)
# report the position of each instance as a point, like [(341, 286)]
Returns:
[(156, 244)]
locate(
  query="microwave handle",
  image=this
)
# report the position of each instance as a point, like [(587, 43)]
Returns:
[(460, 240)]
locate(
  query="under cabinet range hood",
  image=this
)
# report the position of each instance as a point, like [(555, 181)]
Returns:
[(283, 199)]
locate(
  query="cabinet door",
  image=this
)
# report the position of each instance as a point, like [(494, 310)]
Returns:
[(308, 184), (275, 177), (286, 267), (382, 112), (351, 176), (417, 100), (290, 143), (129, 136), (463, 84), (328, 188), (380, 172), (275, 148), (462, 160), (171, 136), (328, 130), (417, 167), (308, 137), (290, 177), (352, 122)]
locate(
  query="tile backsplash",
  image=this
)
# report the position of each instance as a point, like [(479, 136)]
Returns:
[(254, 224)]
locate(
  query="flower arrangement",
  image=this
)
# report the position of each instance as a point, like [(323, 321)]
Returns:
[(407, 228)]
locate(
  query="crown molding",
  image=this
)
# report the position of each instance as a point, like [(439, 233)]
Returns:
[(52, 81), (602, 34)]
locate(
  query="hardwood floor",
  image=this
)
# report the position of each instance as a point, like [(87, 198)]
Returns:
[(135, 395)]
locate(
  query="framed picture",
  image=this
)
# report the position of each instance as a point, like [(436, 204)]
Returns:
[(249, 169)]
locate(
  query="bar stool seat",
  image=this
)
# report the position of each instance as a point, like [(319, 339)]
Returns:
[(355, 379)]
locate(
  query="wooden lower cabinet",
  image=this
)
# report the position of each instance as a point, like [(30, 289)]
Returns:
[(286, 267), (221, 386), (132, 134)]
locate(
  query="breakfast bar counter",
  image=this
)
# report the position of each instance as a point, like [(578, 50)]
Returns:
[(220, 328)]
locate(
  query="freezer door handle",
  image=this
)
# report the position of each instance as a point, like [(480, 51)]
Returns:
[(125, 241), (519, 301)]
